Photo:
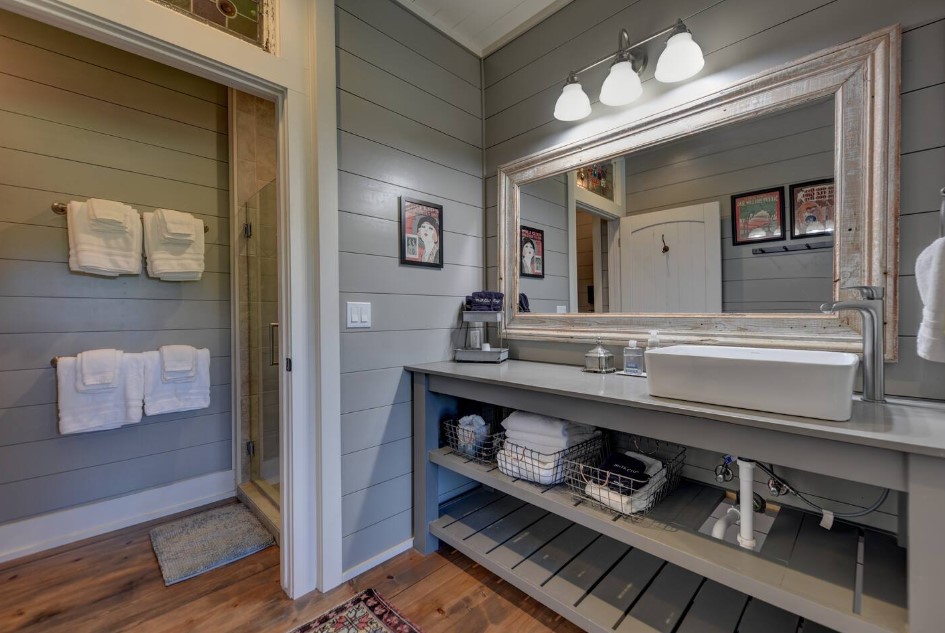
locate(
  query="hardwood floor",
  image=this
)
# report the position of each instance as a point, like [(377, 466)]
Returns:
[(112, 583)]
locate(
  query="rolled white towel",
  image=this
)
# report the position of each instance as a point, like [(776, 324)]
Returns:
[(98, 369), (471, 434), (99, 410)]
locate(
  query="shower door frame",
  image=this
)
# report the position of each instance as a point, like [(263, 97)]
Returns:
[(302, 83)]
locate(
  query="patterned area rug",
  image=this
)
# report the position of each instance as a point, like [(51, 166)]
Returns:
[(198, 543), (367, 612)]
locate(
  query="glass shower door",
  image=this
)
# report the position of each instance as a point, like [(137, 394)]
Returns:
[(262, 312)]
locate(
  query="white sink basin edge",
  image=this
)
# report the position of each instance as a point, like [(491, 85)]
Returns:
[(792, 382)]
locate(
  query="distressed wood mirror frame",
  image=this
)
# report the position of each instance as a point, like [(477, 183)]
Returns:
[(863, 77)]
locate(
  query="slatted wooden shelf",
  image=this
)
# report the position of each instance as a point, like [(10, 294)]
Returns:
[(802, 568), (600, 584)]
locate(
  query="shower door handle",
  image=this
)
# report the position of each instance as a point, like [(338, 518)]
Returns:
[(273, 352)]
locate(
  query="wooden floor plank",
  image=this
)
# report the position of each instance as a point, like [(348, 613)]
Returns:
[(113, 583)]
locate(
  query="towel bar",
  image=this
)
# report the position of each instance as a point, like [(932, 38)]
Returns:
[(60, 208), (55, 361)]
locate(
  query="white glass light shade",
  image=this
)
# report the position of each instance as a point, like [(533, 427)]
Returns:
[(681, 59), (573, 104), (622, 85)]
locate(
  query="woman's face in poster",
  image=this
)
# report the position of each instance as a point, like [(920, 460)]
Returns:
[(427, 232), (528, 250)]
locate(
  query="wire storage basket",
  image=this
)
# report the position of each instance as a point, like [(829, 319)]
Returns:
[(478, 444), (622, 495), (543, 469)]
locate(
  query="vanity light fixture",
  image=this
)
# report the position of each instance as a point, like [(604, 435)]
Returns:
[(681, 59)]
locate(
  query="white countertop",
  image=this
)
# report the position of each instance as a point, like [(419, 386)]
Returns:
[(902, 424)]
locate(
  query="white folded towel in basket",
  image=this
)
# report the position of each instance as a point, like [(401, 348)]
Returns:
[(99, 410), (640, 500), (543, 425)]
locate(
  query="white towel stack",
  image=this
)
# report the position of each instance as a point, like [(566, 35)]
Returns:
[(174, 383), (173, 252), (640, 500), (930, 277), (104, 238), (535, 446), (101, 389)]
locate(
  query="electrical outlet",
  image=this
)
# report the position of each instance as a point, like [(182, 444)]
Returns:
[(359, 314)]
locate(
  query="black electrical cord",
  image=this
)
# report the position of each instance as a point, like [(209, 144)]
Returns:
[(843, 515)]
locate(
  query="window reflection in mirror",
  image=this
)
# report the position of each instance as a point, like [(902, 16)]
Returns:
[(664, 239)]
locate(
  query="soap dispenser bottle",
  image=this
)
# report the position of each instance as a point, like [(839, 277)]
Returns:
[(632, 359), (654, 341)]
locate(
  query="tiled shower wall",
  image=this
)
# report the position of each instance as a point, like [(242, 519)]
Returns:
[(244, 18), (255, 138)]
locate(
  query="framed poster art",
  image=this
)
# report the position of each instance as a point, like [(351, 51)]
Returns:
[(421, 233), (812, 208), (532, 252), (758, 216)]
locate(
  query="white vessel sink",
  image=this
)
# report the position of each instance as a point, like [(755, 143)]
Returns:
[(793, 382)]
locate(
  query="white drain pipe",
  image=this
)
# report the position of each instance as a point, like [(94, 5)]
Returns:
[(746, 480), (721, 525)]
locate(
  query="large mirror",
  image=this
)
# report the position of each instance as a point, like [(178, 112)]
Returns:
[(729, 221)]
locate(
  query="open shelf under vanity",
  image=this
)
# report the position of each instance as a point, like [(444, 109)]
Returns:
[(852, 579)]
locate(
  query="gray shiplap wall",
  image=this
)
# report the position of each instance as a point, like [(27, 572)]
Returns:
[(79, 119), (776, 151), (739, 37), (544, 205), (409, 124)]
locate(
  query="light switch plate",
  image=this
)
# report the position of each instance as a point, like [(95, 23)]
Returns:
[(562, 309), (359, 314)]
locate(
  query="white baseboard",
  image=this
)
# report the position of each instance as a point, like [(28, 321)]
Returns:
[(36, 534), (374, 561)]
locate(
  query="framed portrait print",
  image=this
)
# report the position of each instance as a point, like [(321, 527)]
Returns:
[(812, 208), (532, 252), (758, 216), (421, 233)]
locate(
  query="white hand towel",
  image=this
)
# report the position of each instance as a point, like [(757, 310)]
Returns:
[(175, 226), (471, 434), (108, 215), (98, 370), (542, 424), (173, 261), (178, 363), (165, 397), (105, 253), (523, 464), (95, 411), (930, 277)]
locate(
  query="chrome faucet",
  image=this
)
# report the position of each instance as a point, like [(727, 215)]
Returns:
[(871, 307)]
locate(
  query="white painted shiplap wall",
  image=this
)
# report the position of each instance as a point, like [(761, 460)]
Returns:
[(79, 119), (740, 37), (409, 124)]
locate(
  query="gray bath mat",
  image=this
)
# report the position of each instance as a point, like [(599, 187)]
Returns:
[(193, 545)]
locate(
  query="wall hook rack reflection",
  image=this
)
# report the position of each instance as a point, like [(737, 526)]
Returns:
[(61, 208)]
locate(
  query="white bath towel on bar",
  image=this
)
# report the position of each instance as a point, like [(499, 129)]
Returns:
[(172, 260), (98, 370), (109, 215), (930, 278), (98, 252), (166, 397), (99, 410)]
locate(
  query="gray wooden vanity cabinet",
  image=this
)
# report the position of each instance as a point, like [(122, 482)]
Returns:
[(658, 573)]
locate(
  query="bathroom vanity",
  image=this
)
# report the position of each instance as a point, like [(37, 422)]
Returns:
[(591, 568)]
